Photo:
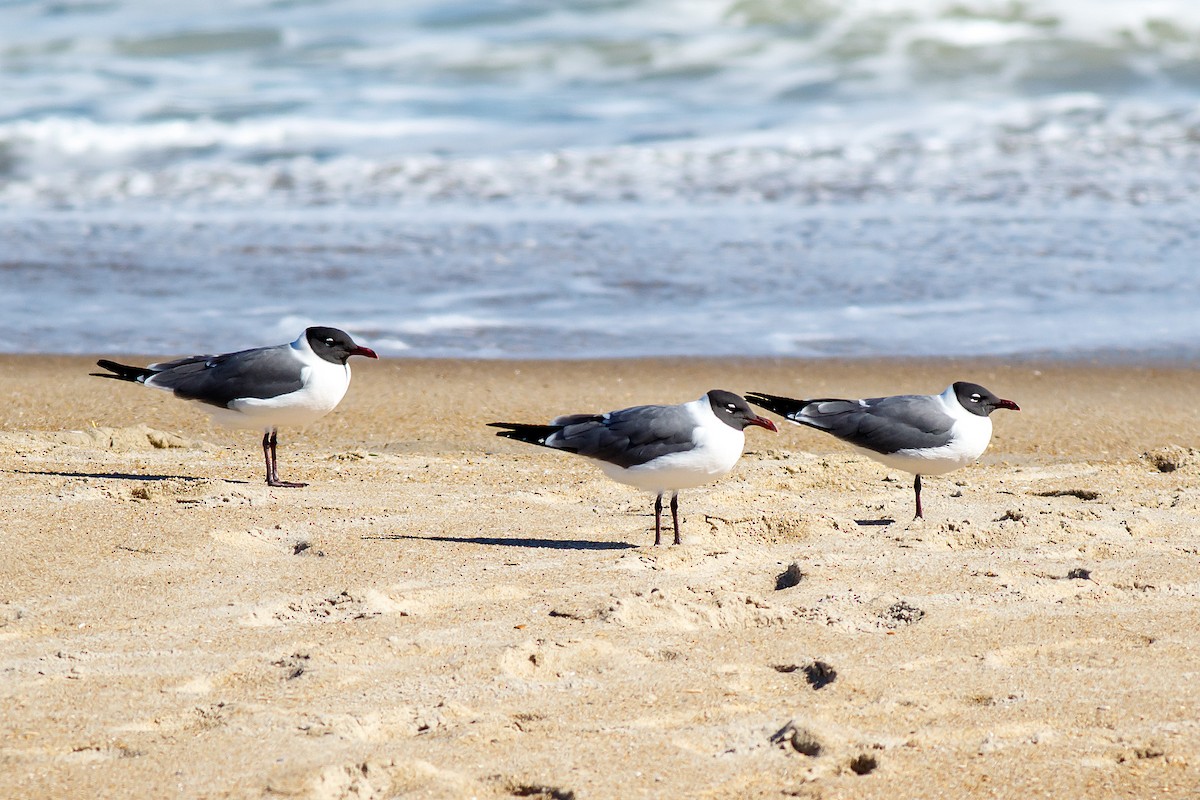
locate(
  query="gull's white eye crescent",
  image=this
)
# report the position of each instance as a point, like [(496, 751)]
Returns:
[(975, 398)]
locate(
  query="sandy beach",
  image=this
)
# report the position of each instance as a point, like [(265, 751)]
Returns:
[(446, 614)]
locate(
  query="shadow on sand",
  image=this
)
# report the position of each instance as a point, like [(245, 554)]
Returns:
[(121, 476), (495, 541)]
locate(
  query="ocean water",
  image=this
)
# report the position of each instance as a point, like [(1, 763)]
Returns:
[(597, 178)]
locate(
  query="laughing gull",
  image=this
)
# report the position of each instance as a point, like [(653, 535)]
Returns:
[(925, 434), (654, 448), (288, 384)]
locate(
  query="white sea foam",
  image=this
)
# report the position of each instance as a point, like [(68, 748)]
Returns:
[(1070, 147)]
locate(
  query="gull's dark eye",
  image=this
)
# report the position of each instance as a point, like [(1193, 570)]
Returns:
[(329, 342), (975, 398)]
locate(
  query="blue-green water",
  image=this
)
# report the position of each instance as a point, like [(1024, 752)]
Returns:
[(577, 179)]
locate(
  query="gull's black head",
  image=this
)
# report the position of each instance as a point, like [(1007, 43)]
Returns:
[(978, 400), (334, 345), (735, 412)]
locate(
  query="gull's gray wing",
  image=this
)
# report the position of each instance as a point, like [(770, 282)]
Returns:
[(628, 437), (219, 380), (882, 424)]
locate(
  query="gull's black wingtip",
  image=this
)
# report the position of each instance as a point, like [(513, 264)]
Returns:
[(120, 372), (524, 432), (507, 429), (777, 404)]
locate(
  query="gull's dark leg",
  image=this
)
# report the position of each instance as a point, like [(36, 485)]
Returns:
[(267, 457), (273, 473), (675, 514), (658, 520), (917, 491)]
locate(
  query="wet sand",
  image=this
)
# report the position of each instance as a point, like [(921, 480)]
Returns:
[(446, 614)]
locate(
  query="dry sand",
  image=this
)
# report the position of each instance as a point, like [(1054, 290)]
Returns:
[(446, 614)]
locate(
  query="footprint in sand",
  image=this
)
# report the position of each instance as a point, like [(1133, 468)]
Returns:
[(376, 779), (345, 606), (798, 738), (86, 754), (688, 609), (546, 660), (263, 540), (817, 674), (232, 498), (386, 725)]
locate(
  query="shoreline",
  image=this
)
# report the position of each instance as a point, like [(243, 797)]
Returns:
[(1099, 358), (443, 613)]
